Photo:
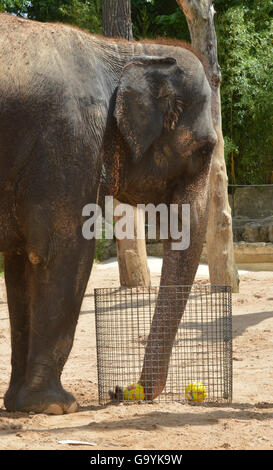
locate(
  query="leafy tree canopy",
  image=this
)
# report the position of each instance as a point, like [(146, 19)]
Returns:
[(83, 13)]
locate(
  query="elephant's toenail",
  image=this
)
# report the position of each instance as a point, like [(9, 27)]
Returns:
[(54, 409), (73, 408)]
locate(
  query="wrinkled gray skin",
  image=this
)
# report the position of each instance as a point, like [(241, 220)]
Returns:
[(68, 100)]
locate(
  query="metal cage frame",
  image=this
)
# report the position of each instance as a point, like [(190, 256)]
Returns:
[(201, 352)]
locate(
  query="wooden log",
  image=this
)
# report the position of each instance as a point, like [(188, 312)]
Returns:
[(132, 254)]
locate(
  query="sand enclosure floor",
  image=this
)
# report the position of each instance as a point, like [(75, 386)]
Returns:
[(245, 424)]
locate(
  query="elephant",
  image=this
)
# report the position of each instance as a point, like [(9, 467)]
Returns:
[(82, 116)]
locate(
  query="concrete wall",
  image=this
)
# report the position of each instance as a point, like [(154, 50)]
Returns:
[(252, 202), (252, 214), (244, 252)]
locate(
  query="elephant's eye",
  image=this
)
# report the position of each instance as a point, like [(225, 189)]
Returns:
[(207, 148)]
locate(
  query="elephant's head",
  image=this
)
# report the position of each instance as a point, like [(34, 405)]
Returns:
[(163, 113), (161, 150)]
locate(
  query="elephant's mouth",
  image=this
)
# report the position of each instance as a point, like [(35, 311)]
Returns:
[(197, 148), (133, 196)]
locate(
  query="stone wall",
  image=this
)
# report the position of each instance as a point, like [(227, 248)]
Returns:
[(252, 214), (248, 253), (244, 252), (253, 230), (252, 202)]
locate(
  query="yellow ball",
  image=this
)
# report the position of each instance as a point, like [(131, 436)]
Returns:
[(196, 391), (134, 392)]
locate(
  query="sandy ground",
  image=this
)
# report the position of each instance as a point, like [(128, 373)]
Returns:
[(245, 424)]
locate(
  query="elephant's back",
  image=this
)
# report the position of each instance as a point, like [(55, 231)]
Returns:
[(49, 88), (42, 59)]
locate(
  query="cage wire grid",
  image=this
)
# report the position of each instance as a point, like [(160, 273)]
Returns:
[(201, 351)]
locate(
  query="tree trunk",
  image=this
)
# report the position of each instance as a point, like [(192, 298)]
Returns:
[(219, 238), (131, 254), (116, 18)]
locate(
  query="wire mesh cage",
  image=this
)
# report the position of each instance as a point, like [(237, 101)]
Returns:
[(201, 342)]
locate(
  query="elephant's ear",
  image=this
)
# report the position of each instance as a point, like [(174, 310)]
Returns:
[(139, 110)]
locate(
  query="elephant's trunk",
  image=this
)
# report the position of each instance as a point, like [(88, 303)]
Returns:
[(179, 269)]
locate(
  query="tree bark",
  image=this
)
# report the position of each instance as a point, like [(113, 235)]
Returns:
[(219, 238), (116, 18), (131, 254)]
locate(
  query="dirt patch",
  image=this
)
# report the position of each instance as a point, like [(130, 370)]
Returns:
[(246, 424)]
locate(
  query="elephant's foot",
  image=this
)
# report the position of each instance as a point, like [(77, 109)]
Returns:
[(55, 401), (11, 394)]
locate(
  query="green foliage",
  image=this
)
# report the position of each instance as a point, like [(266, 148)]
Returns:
[(85, 15), (101, 249), (158, 18), (102, 245), (82, 13), (174, 25), (230, 147), (142, 19), (246, 58)]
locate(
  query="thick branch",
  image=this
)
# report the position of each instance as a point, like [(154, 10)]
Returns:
[(200, 19)]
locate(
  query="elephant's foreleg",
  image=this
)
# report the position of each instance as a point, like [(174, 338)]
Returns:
[(15, 278), (179, 268), (55, 291)]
